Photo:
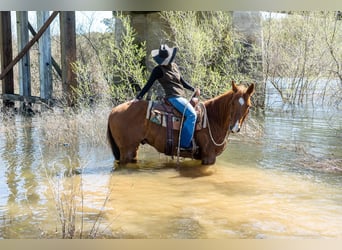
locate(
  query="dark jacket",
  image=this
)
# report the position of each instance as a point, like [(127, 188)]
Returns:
[(170, 79)]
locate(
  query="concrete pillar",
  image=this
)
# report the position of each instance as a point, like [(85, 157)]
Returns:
[(149, 27)]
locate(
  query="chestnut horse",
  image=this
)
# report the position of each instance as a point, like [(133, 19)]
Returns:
[(128, 127)]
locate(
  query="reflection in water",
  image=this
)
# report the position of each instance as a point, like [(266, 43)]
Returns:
[(191, 169), (258, 188), (18, 163), (10, 158)]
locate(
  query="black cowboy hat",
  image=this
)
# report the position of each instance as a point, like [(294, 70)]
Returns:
[(164, 55)]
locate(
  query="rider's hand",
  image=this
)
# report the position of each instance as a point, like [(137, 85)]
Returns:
[(197, 92), (135, 100)]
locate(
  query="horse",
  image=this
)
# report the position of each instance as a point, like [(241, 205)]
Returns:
[(128, 127)]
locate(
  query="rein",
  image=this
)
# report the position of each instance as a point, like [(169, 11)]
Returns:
[(210, 133), (207, 122)]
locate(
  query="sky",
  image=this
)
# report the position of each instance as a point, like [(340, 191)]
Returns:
[(92, 19), (85, 21)]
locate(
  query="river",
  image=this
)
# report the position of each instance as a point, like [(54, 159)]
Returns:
[(285, 182)]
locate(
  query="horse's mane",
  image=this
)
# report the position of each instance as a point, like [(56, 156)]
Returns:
[(219, 107)]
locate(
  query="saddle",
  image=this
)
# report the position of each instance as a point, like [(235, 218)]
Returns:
[(164, 114)]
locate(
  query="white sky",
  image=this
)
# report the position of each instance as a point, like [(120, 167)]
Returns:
[(91, 20), (85, 21)]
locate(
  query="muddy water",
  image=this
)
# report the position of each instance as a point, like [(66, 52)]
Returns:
[(285, 184)]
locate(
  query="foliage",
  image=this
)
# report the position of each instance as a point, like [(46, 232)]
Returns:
[(117, 63), (85, 91), (301, 52), (215, 56), (123, 59), (210, 49)]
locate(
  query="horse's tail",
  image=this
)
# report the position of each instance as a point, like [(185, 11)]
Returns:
[(113, 145)]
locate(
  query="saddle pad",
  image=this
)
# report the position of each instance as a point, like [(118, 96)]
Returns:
[(160, 117)]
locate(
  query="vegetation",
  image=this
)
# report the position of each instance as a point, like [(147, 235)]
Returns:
[(211, 51), (301, 53), (118, 64), (215, 56), (72, 214), (302, 57)]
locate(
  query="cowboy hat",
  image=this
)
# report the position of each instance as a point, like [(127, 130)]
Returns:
[(164, 55)]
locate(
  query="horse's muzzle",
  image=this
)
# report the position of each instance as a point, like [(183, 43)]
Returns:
[(235, 128)]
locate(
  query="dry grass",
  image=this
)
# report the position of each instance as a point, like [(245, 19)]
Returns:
[(70, 128), (74, 219)]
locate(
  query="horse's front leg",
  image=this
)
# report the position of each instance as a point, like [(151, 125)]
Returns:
[(207, 151), (208, 160), (129, 154), (208, 156)]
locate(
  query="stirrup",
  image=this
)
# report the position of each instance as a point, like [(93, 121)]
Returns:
[(192, 148), (189, 149)]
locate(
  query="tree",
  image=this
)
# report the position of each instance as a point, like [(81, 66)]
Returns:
[(118, 63), (302, 56), (211, 52)]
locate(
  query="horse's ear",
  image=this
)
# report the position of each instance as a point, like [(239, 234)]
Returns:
[(234, 87), (250, 90)]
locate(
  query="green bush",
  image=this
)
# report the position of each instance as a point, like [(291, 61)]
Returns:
[(209, 49), (211, 55), (117, 63), (123, 62), (303, 55)]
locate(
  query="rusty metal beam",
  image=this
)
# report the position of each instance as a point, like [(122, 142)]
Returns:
[(29, 45), (6, 54), (68, 54)]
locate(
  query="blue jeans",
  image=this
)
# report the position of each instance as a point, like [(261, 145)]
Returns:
[(184, 107)]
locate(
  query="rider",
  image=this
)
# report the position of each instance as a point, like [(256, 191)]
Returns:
[(168, 75)]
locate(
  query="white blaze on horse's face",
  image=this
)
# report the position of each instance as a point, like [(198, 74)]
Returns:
[(241, 101), (236, 127)]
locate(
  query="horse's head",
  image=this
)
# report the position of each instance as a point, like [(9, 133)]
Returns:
[(240, 106)]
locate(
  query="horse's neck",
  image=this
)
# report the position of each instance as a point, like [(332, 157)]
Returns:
[(219, 110)]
